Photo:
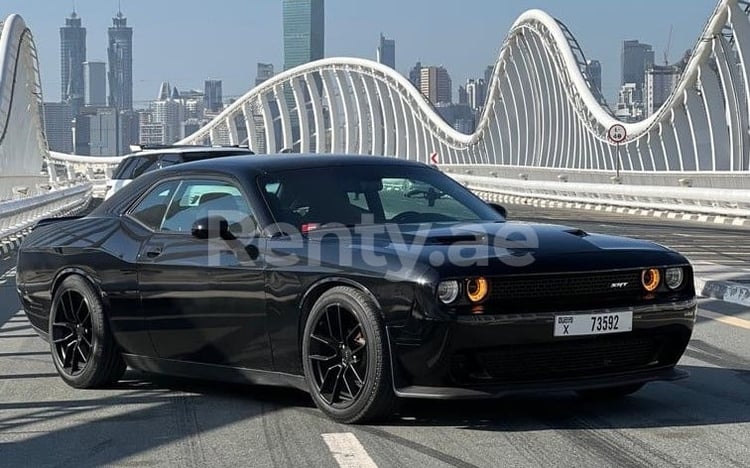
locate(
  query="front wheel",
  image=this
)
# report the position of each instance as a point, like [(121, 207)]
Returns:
[(83, 349), (609, 393), (345, 357)]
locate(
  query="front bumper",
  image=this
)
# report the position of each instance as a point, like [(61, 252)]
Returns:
[(496, 355)]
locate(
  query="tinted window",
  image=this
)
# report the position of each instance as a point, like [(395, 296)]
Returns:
[(134, 166), (196, 156), (386, 194), (196, 199), (150, 210), (124, 168), (169, 159)]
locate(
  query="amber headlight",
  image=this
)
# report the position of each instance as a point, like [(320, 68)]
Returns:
[(650, 279), (447, 291), (477, 289), (673, 277)]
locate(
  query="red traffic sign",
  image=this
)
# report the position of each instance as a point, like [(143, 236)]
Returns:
[(434, 158), (617, 133)]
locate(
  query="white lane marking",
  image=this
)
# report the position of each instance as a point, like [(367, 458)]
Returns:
[(725, 319), (347, 450)]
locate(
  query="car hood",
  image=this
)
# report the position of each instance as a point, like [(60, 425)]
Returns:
[(499, 248)]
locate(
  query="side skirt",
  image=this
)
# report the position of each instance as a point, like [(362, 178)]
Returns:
[(215, 372), (42, 333)]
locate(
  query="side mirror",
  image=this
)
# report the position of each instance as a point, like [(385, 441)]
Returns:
[(211, 227), (499, 208)]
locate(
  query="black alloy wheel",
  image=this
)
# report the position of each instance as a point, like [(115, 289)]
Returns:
[(83, 349), (345, 357), (338, 355), (72, 332)]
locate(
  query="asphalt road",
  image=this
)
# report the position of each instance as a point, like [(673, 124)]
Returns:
[(700, 242), (157, 421)]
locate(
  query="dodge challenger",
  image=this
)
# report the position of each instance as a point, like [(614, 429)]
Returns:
[(361, 280)]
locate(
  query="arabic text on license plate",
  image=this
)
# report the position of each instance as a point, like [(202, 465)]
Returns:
[(593, 324)]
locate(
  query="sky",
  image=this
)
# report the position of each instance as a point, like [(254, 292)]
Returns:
[(187, 41)]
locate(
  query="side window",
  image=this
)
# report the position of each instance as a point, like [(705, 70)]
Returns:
[(197, 156), (144, 164), (169, 159), (125, 169), (196, 199), (150, 210)]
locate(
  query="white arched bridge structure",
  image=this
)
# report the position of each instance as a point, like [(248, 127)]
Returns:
[(542, 133)]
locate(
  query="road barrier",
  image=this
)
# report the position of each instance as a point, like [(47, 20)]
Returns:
[(17, 216)]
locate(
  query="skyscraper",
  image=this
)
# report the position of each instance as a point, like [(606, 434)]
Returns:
[(304, 41), (463, 96), (265, 71), (435, 84), (57, 126), (594, 72), (387, 52), (72, 56), (120, 53), (488, 75), (415, 74), (304, 31), (168, 111), (661, 80), (636, 58), (212, 97), (476, 93), (95, 81)]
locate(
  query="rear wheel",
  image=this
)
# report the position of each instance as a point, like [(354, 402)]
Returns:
[(83, 349), (608, 393), (345, 357)]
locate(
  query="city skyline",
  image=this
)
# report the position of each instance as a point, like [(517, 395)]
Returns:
[(472, 43)]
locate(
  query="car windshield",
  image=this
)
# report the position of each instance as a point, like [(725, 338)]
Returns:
[(345, 195)]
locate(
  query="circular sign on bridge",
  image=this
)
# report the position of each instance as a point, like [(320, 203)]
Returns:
[(617, 133)]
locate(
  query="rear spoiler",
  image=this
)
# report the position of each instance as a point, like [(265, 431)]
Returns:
[(46, 221)]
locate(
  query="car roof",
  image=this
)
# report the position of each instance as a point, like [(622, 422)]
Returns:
[(288, 161)]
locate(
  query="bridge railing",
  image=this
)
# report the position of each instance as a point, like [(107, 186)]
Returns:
[(16, 216), (674, 194), (69, 168)]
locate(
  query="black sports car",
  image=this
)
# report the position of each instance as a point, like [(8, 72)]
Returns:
[(359, 279)]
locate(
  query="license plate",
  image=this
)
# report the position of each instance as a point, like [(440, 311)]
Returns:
[(593, 324)]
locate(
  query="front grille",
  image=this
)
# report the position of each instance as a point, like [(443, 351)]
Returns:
[(578, 290), (564, 359)]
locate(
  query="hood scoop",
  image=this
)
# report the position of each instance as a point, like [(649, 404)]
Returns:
[(454, 239), (577, 232)]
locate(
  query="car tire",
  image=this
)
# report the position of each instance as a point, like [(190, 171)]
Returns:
[(332, 340), (610, 393), (83, 349)]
